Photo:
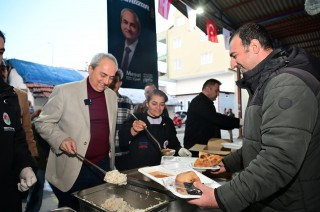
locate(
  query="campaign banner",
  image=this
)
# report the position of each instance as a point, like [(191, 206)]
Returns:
[(132, 39)]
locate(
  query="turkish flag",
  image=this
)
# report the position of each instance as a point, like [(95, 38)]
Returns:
[(164, 7), (212, 31)]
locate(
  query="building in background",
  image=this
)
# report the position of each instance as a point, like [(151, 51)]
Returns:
[(186, 59)]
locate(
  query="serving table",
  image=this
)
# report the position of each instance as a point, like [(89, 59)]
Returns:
[(140, 192)]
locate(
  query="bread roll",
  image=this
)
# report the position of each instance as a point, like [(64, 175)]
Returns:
[(184, 181)]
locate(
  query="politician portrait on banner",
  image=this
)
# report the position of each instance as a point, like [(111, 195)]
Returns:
[(132, 39)]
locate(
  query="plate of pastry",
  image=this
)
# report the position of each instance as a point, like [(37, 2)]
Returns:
[(207, 161)]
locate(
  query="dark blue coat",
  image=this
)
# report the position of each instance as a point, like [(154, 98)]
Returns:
[(14, 153)]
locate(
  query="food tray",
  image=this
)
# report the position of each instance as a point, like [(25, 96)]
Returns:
[(91, 199), (168, 182)]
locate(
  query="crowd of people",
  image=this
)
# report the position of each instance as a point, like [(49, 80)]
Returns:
[(276, 166)]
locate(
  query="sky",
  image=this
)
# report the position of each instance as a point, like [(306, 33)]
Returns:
[(62, 33)]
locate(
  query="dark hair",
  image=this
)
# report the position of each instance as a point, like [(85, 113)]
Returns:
[(157, 92), (119, 75), (210, 82), (2, 36), (117, 78), (251, 31)]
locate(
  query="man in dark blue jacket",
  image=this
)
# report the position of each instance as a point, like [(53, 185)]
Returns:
[(16, 160)]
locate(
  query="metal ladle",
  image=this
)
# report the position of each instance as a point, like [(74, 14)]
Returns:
[(94, 165), (145, 128)]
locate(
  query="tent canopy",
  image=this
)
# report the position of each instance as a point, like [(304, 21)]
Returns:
[(42, 74)]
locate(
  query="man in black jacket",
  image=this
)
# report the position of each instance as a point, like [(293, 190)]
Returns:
[(16, 160), (203, 121)]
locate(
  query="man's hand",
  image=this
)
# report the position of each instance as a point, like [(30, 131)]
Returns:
[(207, 199), (27, 179), (183, 152), (219, 171), (69, 145)]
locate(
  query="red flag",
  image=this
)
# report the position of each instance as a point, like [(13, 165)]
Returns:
[(212, 31), (163, 8)]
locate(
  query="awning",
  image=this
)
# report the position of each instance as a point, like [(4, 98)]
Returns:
[(42, 74)]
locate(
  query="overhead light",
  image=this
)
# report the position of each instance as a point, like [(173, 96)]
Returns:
[(199, 10)]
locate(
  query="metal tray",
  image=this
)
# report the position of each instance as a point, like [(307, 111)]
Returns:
[(91, 199)]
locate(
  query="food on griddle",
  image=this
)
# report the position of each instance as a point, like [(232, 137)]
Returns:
[(207, 160), (118, 204), (115, 177), (184, 183)]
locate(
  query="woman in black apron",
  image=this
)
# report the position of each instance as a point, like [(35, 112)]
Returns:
[(143, 149)]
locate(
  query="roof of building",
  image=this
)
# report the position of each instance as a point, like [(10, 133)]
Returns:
[(291, 23)]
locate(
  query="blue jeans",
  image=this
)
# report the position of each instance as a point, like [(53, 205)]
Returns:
[(88, 177), (34, 199)]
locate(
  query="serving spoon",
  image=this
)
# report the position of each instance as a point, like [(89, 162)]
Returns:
[(91, 163), (145, 128)]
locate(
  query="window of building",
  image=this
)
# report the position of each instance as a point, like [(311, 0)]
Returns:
[(181, 21), (177, 43), (177, 64), (206, 58)]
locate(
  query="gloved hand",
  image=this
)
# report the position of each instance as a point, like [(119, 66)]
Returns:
[(27, 179), (183, 152)]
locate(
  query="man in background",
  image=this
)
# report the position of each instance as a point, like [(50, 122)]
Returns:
[(142, 107), (124, 109), (203, 122)]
